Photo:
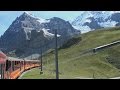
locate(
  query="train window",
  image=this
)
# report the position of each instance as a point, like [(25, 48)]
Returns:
[(8, 64)]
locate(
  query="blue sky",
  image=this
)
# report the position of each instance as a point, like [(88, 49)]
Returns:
[(7, 17)]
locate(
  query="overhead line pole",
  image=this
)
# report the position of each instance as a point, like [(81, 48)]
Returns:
[(41, 62), (56, 56)]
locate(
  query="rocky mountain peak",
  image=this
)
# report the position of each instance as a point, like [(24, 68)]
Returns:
[(28, 33)]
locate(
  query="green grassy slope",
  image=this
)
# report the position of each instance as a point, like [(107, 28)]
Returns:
[(74, 64)]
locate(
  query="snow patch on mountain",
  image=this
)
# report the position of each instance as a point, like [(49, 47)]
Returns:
[(47, 34), (84, 29), (108, 24), (41, 20)]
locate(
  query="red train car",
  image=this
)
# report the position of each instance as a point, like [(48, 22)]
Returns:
[(12, 68), (15, 67), (3, 59)]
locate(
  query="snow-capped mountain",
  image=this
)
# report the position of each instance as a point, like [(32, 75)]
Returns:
[(28, 32), (91, 20)]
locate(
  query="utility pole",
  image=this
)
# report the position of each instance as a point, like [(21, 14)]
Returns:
[(31, 56), (41, 62), (56, 55)]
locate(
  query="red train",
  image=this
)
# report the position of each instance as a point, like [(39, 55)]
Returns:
[(12, 68)]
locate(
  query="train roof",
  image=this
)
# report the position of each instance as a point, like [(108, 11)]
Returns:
[(17, 59), (14, 59)]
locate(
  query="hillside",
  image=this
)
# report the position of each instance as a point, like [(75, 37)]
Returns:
[(75, 63)]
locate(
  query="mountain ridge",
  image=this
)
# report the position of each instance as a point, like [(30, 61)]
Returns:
[(92, 20)]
